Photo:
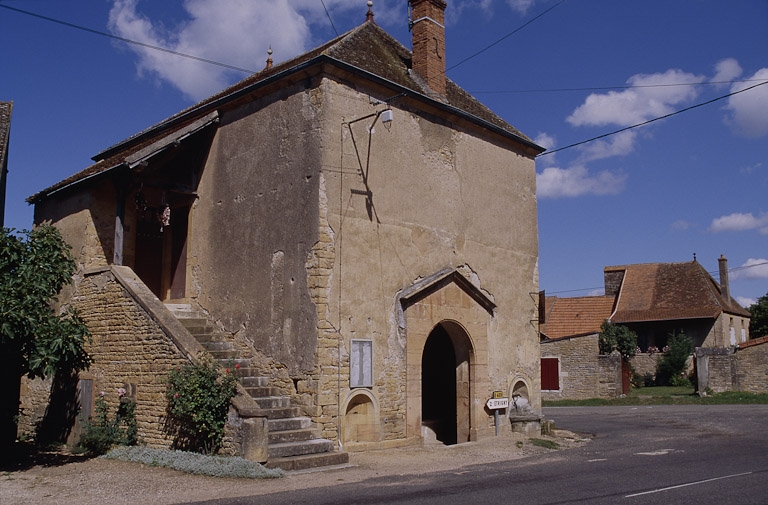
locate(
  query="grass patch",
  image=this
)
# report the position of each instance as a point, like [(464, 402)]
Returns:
[(547, 444), (659, 395), (198, 464)]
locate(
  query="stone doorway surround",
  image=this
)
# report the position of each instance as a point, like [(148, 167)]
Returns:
[(451, 300)]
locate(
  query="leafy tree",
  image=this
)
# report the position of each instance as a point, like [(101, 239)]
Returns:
[(34, 340), (758, 323), (617, 337), (670, 370)]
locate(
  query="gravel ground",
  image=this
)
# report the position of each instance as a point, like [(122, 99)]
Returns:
[(61, 479)]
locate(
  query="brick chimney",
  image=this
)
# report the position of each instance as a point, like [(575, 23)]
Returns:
[(725, 288), (428, 39)]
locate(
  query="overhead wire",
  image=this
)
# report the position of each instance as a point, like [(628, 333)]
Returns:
[(250, 71), (504, 37), (329, 18), (651, 120), (127, 40)]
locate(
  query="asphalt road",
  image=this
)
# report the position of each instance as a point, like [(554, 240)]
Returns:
[(639, 456)]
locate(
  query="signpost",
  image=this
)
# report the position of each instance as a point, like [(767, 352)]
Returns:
[(496, 403)]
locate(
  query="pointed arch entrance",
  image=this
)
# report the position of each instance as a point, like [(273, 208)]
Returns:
[(445, 381), (444, 321)]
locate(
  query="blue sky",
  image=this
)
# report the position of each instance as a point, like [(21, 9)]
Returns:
[(695, 182)]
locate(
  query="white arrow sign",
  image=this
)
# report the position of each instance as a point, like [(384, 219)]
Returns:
[(497, 403)]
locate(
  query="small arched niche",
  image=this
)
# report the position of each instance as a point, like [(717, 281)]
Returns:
[(361, 418), (519, 401)]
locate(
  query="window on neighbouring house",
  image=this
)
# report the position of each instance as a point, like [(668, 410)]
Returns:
[(550, 374)]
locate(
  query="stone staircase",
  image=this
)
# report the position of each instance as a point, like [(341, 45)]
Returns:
[(294, 444)]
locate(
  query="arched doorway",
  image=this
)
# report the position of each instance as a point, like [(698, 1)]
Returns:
[(445, 380)]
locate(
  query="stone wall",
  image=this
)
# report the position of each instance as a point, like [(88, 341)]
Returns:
[(744, 368), (645, 363), (128, 347), (584, 373)]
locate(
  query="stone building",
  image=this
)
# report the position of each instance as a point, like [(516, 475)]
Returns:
[(350, 228), (651, 299), (571, 364)]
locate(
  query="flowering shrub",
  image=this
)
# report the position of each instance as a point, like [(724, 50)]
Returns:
[(652, 350), (102, 433), (198, 398)]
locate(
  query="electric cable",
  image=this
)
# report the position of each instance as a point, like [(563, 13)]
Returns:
[(651, 120)]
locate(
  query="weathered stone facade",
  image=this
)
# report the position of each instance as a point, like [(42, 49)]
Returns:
[(315, 215), (584, 373)]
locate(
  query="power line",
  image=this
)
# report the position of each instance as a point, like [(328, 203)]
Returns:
[(329, 18), (651, 120), (607, 88), (128, 41), (734, 269), (504, 37)]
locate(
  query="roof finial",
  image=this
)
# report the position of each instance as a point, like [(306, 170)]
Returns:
[(369, 14), (694, 257), (269, 58)]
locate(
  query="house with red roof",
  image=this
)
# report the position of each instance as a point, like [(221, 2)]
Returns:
[(654, 300), (350, 230)]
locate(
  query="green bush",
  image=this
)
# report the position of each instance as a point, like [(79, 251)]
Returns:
[(617, 337), (671, 366), (102, 433), (198, 398)]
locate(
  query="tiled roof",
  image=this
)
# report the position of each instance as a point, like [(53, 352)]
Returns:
[(366, 49), (571, 317), (668, 291)]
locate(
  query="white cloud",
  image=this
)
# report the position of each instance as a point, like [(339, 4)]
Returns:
[(620, 144), (726, 70), (653, 97), (521, 6), (555, 182), (235, 32), (746, 302), (748, 111), (740, 222), (753, 268)]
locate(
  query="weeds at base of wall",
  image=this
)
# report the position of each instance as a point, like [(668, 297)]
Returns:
[(547, 444), (102, 433), (195, 463)]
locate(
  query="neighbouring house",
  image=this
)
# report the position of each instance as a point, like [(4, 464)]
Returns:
[(653, 300), (351, 230), (571, 364)]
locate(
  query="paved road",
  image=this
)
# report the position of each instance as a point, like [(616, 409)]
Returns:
[(639, 456)]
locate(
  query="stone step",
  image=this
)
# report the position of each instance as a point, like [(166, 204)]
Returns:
[(262, 391), (301, 435), (251, 381), (281, 413), (309, 461), (273, 402), (299, 448), (227, 355), (289, 423), (199, 330), (218, 345)]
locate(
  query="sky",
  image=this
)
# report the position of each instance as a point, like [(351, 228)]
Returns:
[(561, 71)]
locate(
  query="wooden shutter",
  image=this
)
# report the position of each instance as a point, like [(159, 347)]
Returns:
[(550, 376)]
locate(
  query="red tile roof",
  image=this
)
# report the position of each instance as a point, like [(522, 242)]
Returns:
[(571, 317), (668, 291)]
